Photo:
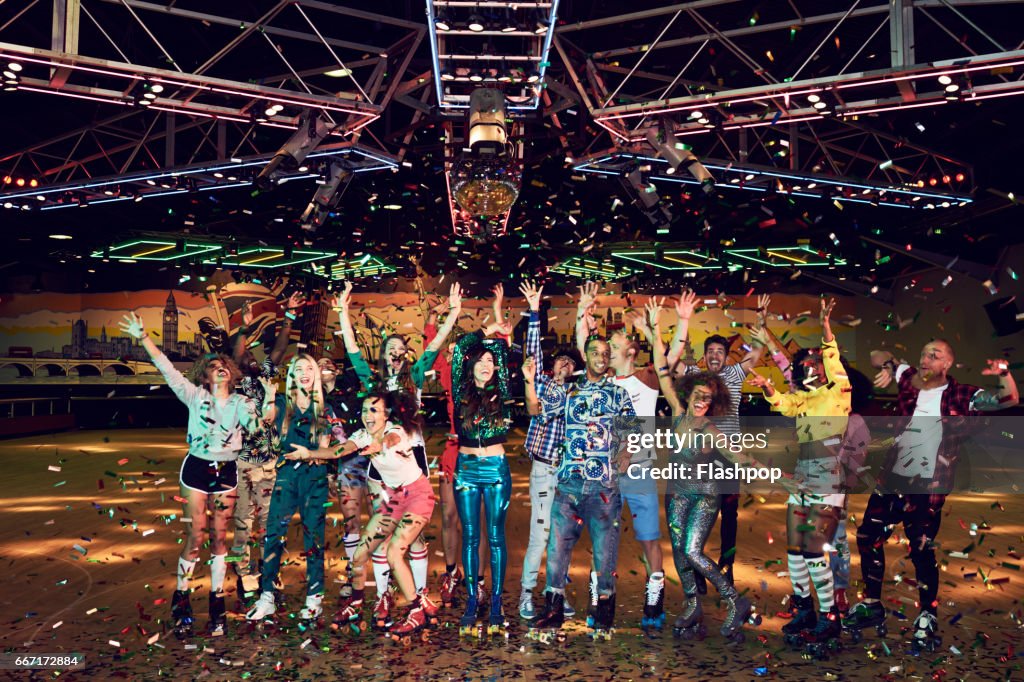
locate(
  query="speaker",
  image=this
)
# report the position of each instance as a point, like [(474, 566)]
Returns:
[(1003, 313)]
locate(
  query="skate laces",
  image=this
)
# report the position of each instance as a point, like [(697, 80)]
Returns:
[(654, 590)]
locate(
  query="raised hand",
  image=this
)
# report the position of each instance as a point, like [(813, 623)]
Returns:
[(763, 301), (759, 380), (132, 326), (529, 368), (294, 301), (686, 303), (639, 321), (996, 368), (532, 293), (883, 378), (247, 316), (455, 297), (343, 300), (760, 336), (588, 295), (270, 388), (653, 311), (826, 310)]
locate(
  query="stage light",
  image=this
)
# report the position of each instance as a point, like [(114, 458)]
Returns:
[(959, 177), (338, 73), (476, 23), (945, 80), (487, 180), (441, 22), (33, 183), (933, 181), (270, 111), (813, 99), (10, 74), (60, 236), (157, 88), (475, 77), (20, 182), (533, 78), (946, 179), (310, 133), (325, 198), (14, 66)]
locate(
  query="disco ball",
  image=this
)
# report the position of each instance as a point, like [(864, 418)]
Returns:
[(486, 186)]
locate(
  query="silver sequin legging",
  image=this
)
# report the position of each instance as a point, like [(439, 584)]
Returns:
[(691, 516)]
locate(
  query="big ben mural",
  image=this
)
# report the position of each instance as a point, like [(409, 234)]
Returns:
[(170, 339)]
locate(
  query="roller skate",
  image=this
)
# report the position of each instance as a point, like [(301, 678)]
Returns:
[(422, 616), (449, 582), (741, 612), (804, 618), (382, 611), (690, 623), (496, 619), (181, 614), (350, 614), (310, 614), (263, 609), (547, 626), (218, 616), (842, 603), (468, 622), (824, 638), (926, 633), (604, 618), (593, 600), (865, 615), (482, 600), (654, 605)]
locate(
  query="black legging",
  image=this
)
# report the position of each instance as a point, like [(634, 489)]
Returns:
[(920, 516), (730, 506)]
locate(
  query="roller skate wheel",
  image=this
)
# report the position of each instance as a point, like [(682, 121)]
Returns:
[(755, 619)]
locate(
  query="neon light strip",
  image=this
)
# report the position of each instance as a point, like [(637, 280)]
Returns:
[(432, 30), (787, 257), (64, 93), (263, 259), (706, 103), (159, 249)]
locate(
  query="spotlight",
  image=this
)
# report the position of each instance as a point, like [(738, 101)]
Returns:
[(959, 177), (441, 22), (157, 88), (945, 80), (311, 132), (933, 181), (945, 179), (533, 78), (486, 180), (325, 198), (20, 182), (475, 77), (476, 23), (14, 66), (33, 183), (813, 98)]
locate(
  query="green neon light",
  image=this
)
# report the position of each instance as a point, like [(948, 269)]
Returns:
[(367, 266), (158, 250), (673, 259), (269, 258), (583, 267), (791, 256)]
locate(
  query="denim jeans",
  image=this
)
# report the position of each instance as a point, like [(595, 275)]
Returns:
[(596, 505), (302, 487), (543, 483)]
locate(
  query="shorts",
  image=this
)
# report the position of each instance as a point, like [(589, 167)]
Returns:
[(809, 499), (417, 498), (448, 459), (204, 476), (352, 472), (645, 509)]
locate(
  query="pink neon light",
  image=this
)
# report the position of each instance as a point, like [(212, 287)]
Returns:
[(79, 67), (768, 123), (63, 93), (612, 130), (260, 96), (997, 94), (707, 103), (857, 112), (929, 74), (189, 112)]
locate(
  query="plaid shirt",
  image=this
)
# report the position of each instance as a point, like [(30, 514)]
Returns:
[(547, 430), (956, 403)]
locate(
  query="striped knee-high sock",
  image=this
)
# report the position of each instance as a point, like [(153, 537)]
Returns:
[(381, 570), (418, 563), (351, 541), (798, 574), (821, 576)]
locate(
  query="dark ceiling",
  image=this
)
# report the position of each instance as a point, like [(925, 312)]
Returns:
[(559, 213)]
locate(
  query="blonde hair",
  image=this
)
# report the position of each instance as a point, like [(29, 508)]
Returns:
[(316, 399)]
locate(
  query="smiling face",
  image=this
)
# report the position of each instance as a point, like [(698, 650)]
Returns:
[(699, 401), (936, 359), (394, 354), (598, 354), (374, 414), (714, 357), (483, 369), (328, 370), (216, 373), (563, 368), (304, 374), (622, 353)]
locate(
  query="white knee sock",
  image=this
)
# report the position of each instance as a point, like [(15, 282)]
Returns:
[(798, 574), (381, 570), (821, 576), (418, 563), (351, 542), (185, 572), (217, 570)]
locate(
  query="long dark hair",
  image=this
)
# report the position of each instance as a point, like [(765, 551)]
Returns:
[(402, 409), (405, 373), (479, 404), (720, 403)]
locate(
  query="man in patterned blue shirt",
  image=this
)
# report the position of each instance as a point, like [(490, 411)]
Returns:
[(544, 446), (598, 414)]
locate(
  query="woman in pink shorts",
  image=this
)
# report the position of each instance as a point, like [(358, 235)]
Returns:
[(406, 504)]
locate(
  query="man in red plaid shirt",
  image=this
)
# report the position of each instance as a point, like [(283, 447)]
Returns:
[(923, 459)]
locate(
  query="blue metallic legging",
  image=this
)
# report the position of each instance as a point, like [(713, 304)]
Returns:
[(487, 478)]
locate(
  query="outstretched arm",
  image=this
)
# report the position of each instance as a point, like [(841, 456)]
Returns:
[(454, 310), (281, 342), (753, 357), (653, 332), (584, 317), (684, 311), (182, 387), (1006, 396)]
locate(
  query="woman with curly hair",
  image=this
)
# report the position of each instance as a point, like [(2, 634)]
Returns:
[(217, 416), (397, 372), (692, 505), (480, 388), (406, 504), (302, 422)]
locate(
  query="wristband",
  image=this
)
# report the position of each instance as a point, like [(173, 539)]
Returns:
[(1004, 373), (289, 315)]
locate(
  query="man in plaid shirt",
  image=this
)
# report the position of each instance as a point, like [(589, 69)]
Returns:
[(544, 446), (923, 458)]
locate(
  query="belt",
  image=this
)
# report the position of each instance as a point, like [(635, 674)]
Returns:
[(551, 462)]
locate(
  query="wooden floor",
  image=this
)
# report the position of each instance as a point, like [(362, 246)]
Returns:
[(89, 544)]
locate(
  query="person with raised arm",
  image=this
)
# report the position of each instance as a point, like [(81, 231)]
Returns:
[(217, 417), (396, 372), (918, 473)]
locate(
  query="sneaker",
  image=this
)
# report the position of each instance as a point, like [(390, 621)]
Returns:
[(567, 610), (526, 611)]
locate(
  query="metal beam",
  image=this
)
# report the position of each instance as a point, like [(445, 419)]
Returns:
[(64, 36)]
